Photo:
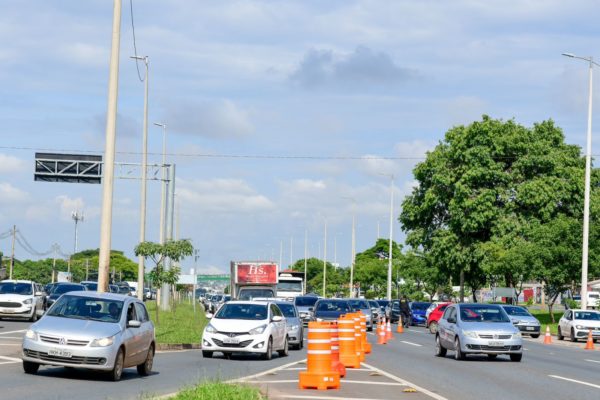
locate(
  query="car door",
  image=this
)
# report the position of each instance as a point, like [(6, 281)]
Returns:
[(38, 298), (146, 330), (451, 326), (279, 327), (132, 338), (443, 327), (565, 324)]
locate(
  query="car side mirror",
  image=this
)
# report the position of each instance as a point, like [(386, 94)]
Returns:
[(39, 293), (277, 318), (311, 309), (209, 316), (134, 323)]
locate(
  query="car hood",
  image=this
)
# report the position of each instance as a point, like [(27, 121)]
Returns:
[(524, 319), (15, 297), (75, 328), (491, 327), (419, 312), (292, 321), (587, 323), (236, 325), (303, 309), (329, 314)]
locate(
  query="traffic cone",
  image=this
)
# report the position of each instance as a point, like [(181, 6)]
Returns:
[(347, 341), (363, 332), (389, 331), (547, 337), (589, 345), (381, 334), (318, 374), (360, 350), (400, 328)]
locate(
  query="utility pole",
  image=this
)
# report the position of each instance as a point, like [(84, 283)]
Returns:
[(165, 289), (280, 253), (353, 255), (109, 153), (291, 250), (87, 268), (12, 252), (305, 256), (76, 217), (54, 265), (325, 260)]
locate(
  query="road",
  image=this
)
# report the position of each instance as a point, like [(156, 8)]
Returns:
[(547, 371)]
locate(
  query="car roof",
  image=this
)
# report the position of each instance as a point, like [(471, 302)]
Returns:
[(581, 310), (262, 303), (104, 295), (16, 281)]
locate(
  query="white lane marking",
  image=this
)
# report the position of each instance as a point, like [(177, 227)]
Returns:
[(6, 333), (10, 344), (405, 382), (10, 359), (575, 381), (411, 343), (344, 381), (594, 361), (270, 371), (10, 337), (414, 331)]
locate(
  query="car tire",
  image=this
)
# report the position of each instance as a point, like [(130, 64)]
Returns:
[(440, 351), (572, 337), (535, 336), (117, 371), (286, 349), (34, 316), (458, 354), (30, 367), (433, 327), (207, 354), (560, 335), (516, 357), (492, 356), (269, 353), (145, 368)]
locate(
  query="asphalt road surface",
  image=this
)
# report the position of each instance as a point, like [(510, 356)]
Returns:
[(560, 370)]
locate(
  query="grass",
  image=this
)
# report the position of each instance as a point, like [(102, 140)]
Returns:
[(220, 391), (544, 318), (180, 325)]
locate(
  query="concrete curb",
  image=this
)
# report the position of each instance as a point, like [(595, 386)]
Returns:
[(178, 346)]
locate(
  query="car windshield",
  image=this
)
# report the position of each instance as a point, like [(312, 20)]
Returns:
[(338, 306), (373, 304), (123, 290), (516, 311), (242, 311), (288, 310), (292, 286), (305, 301), (358, 304), (91, 286), (16, 288), (482, 313), (60, 289), (420, 306), (114, 289), (95, 309), (587, 315), (218, 298), (249, 294), (383, 303)]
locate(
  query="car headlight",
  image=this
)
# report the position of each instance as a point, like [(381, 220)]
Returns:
[(258, 330), (28, 301), (580, 327), (470, 334), (292, 327), (31, 334), (517, 335), (210, 329), (103, 342)]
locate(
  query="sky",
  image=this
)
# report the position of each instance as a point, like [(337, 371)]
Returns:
[(282, 117)]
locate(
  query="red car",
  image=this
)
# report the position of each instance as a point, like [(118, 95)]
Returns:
[(434, 317)]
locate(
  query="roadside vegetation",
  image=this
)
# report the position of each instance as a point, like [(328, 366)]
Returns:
[(545, 319), (180, 325), (220, 391)]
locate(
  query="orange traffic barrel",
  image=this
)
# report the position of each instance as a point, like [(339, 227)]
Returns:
[(318, 374), (381, 334), (358, 336), (336, 365), (348, 354), (363, 331)]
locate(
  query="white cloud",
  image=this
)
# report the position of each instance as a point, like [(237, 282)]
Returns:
[(85, 54), (10, 164), (67, 205), (12, 196)]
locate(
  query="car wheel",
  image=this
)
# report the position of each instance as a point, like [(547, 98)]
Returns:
[(30, 367), (516, 357), (458, 354), (269, 353), (535, 336), (34, 316), (492, 356), (286, 350), (207, 354), (440, 351), (117, 371), (560, 335), (433, 327), (572, 337), (145, 368)]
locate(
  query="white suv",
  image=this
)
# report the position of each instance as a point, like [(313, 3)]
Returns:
[(21, 299)]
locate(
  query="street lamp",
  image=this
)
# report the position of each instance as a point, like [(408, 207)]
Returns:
[(77, 216), (163, 183), (586, 201), (141, 269), (353, 250), (389, 278)]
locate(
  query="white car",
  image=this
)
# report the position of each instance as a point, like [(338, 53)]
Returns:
[(246, 327), (21, 299), (576, 324)]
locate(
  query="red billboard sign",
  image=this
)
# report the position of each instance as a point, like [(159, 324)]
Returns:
[(257, 273)]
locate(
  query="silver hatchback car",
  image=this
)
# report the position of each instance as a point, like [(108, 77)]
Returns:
[(99, 331), (477, 329)]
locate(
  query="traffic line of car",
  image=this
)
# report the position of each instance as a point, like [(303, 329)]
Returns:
[(575, 381)]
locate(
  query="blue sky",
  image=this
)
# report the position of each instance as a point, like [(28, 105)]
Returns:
[(334, 80)]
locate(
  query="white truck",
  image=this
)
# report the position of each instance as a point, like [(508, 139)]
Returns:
[(252, 279), (289, 286)]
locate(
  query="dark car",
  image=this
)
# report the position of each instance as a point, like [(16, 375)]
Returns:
[(305, 306), (418, 310), (395, 313), (61, 288), (330, 309), (384, 306)]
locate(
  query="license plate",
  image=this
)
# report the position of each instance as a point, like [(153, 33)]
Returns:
[(496, 344), (59, 353), (7, 310), (530, 328), (229, 340)]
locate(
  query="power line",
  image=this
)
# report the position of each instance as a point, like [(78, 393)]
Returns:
[(134, 45)]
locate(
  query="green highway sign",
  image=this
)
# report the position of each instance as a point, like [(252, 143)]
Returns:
[(209, 278)]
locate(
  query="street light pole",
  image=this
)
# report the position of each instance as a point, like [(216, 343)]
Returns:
[(390, 255), (141, 269), (325, 261), (586, 201), (353, 250), (305, 256), (76, 217), (109, 153), (161, 233)]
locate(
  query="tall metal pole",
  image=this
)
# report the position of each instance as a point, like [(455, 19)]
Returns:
[(352, 261), (305, 257), (390, 256), (161, 233), (586, 201), (291, 250), (109, 153), (165, 290), (280, 253), (76, 217), (141, 268), (325, 260), (12, 252)]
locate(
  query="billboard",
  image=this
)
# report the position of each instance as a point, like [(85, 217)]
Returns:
[(258, 273), (78, 168)]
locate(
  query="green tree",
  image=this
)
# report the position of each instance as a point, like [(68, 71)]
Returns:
[(336, 282), (175, 250), (483, 188), (371, 267)]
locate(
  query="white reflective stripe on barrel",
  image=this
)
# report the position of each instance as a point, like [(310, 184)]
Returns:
[(319, 341), (347, 339), (318, 330), (318, 352)]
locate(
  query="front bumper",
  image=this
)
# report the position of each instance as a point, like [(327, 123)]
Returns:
[(236, 344), (24, 311), (419, 319), (295, 336), (491, 346), (97, 358), (529, 329), (583, 333)]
